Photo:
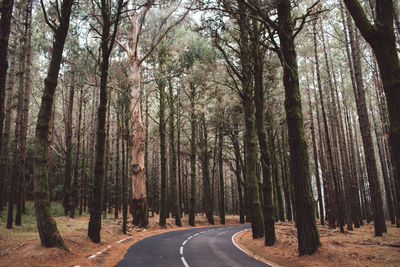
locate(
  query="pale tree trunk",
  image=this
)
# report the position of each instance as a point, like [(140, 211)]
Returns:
[(315, 154), (136, 150)]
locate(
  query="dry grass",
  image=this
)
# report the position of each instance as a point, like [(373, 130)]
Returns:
[(337, 249)]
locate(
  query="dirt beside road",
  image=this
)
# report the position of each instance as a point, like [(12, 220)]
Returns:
[(355, 248)]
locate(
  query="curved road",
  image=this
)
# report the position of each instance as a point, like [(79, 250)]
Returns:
[(202, 247)]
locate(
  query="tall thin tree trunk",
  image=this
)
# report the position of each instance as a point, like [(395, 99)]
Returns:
[(5, 26), (238, 168), (250, 136), (205, 162), (68, 148), (193, 148), (365, 129), (117, 169), (381, 37), (307, 231), (221, 176), (107, 188), (77, 183), (109, 25), (48, 232), (124, 186), (163, 145), (330, 162), (4, 161), (16, 186), (315, 153)]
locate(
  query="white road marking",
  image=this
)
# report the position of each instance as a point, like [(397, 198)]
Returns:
[(196, 234), (184, 262), (181, 250), (233, 241), (98, 253), (122, 240), (184, 242)]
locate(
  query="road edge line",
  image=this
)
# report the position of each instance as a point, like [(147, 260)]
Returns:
[(237, 246)]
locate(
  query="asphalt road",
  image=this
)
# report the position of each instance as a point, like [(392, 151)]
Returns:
[(202, 247)]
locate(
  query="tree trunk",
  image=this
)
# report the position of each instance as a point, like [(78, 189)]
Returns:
[(250, 136), (257, 55), (193, 190), (208, 197), (330, 161), (238, 169), (365, 129), (315, 153), (221, 176), (382, 39), (47, 227), (68, 148), (82, 187), (125, 194), (136, 150), (277, 181), (107, 42), (285, 179), (5, 26), (163, 145), (4, 161), (106, 165), (76, 185), (307, 231), (17, 171), (117, 169)]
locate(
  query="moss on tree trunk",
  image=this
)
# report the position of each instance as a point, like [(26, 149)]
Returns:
[(47, 227), (307, 232)]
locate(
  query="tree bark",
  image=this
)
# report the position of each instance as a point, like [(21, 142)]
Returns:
[(238, 169), (193, 189), (258, 55), (382, 39), (4, 160), (109, 24), (365, 129), (221, 176), (77, 183), (68, 148), (47, 227), (208, 197), (163, 146), (315, 154), (5, 26), (307, 231)]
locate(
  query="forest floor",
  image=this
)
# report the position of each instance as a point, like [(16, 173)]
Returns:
[(20, 246), (356, 248)]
